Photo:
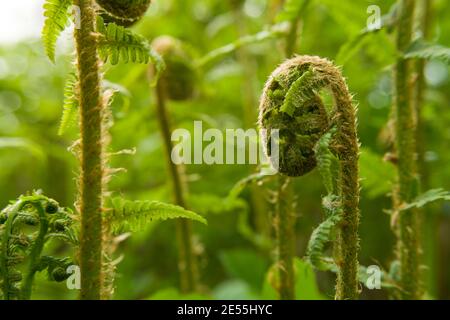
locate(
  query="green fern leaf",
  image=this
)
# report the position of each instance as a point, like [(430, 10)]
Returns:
[(303, 89), (327, 163), (56, 20), (70, 106), (134, 215), (206, 203), (427, 197), (425, 50), (323, 234), (118, 44), (317, 242)]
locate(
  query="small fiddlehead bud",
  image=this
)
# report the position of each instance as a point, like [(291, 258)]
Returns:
[(179, 77), (59, 274), (123, 12), (52, 207), (292, 104)]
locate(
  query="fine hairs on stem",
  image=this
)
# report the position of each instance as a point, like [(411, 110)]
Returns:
[(85, 94), (424, 18), (176, 83), (290, 103), (96, 271), (284, 221), (408, 185), (92, 173)]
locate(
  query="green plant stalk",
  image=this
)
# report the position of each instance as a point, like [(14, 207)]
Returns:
[(91, 154), (35, 254), (285, 233), (348, 152), (187, 263), (430, 239), (4, 251), (407, 190)]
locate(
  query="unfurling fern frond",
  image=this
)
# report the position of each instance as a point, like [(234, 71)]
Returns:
[(57, 17), (291, 103), (126, 214), (70, 106)]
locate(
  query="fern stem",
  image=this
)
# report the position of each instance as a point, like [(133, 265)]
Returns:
[(407, 190), (187, 263), (285, 226), (424, 12), (4, 267), (35, 254), (91, 157), (348, 153)]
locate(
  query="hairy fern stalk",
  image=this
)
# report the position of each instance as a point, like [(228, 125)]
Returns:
[(408, 183), (96, 40), (92, 173), (291, 103)]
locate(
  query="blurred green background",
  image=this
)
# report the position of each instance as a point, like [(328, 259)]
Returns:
[(233, 265)]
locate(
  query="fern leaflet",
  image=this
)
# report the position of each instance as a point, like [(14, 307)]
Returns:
[(301, 90), (323, 234), (425, 50), (133, 215), (70, 106), (327, 163), (427, 197), (56, 20), (116, 43), (319, 238)]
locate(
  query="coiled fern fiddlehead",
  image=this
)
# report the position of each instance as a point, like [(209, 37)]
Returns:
[(177, 83), (291, 103), (123, 12), (20, 246)]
